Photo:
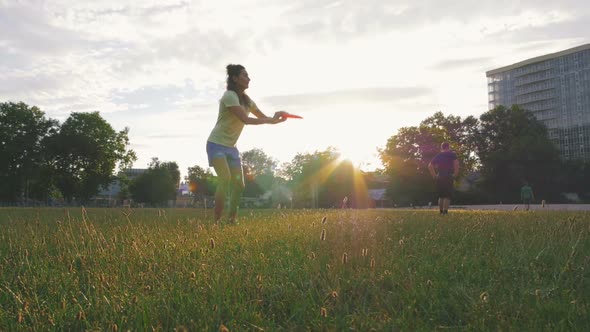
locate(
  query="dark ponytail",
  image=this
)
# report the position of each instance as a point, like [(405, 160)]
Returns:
[(235, 70)]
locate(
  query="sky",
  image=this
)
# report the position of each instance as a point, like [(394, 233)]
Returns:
[(357, 71)]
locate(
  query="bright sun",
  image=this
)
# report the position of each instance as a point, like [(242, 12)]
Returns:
[(361, 157)]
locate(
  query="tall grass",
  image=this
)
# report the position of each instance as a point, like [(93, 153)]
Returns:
[(147, 269)]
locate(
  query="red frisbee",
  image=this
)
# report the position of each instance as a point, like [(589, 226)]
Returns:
[(291, 116)]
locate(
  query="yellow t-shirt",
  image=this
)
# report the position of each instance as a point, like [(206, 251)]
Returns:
[(228, 128)]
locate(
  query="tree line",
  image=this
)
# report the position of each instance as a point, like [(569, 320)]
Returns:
[(498, 152), (42, 159)]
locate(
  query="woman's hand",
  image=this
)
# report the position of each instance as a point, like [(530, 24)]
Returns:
[(279, 114), (278, 117)]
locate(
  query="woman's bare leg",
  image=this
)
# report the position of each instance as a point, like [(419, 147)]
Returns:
[(237, 188), (224, 177)]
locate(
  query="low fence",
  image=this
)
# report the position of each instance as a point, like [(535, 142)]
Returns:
[(210, 203), (533, 207)]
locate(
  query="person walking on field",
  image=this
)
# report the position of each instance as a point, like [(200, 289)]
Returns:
[(234, 109), (526, 195), (444, 168)]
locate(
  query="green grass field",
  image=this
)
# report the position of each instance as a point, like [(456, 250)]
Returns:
[(360, 270)]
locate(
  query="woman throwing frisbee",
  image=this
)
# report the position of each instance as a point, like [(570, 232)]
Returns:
[(234, 109)]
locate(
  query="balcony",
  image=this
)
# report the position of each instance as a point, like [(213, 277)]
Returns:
[(546, 115), (533, 68), (540, 106), (537, 77), (532, 88), (535, 97)]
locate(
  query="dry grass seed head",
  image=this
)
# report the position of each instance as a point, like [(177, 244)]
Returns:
[(324, 312), (484, 297), (344, 258), (323, 235)]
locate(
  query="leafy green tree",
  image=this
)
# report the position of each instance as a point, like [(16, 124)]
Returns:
[(201, 181), (407, 154), (513, 146), (172, 168), (322, 179), (85, 154), (259, 172), (41, 186), (406, 157), (154, 187), (374, 179), (157, 185), (574, 177), (23, 168), (258, 162), (303, 174), (345, 181), (124, 183), (461, 133)]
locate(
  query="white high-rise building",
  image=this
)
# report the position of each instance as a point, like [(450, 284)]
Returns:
[(556, 88)]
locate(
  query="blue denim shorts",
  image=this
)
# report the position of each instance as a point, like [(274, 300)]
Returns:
[(231, 154)]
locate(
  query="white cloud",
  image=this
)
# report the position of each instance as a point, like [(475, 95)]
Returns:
[(158, 65), (349, 97)]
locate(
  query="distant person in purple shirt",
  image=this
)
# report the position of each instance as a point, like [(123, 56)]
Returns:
[(444, 168)]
